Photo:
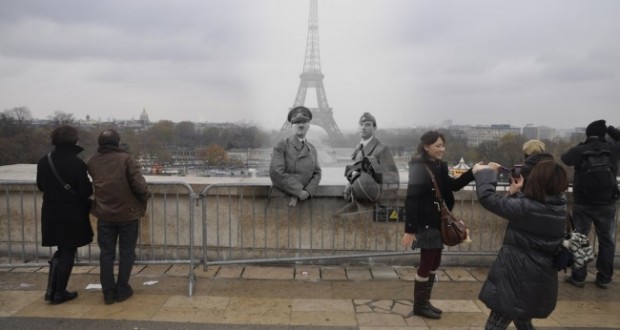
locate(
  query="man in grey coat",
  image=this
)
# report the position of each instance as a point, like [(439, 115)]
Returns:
[(294, 168)]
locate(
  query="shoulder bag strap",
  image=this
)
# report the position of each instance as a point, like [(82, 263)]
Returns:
[(570, 227), (62, 183), (437, 191)]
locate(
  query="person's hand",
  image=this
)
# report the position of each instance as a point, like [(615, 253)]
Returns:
[(515, 184), (479, 167), (292, 202), (408, 240), (353, 175), (494, 166), (303, 195), (347, 192)]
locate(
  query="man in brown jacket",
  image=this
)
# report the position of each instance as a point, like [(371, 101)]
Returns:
[(120, 200)]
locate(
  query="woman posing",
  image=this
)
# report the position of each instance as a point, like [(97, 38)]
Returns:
[(422, 220), (522, 283)]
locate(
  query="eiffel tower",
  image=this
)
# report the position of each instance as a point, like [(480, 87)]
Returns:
[(311, 77)]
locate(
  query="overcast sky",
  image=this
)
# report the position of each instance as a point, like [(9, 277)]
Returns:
[(411, 63)]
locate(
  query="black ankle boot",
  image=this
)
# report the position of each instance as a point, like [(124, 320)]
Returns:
[(431, 281), (421, 292), (51, 277), (60, 298)]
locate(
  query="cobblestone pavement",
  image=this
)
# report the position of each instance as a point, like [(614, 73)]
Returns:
[(271, 297)]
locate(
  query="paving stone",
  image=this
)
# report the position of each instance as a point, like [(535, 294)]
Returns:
[(178, 270), (459, 274), (333, 274), (359, 274), (479, 274), (308, 273), (326, 305), (134, 270), (383, 273), (152, 270), (229, 272), (380, 319), (211, 271), (268, 273), (405, 273)]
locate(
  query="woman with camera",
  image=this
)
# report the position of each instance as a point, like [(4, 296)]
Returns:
[(422, 210), (522, 283)]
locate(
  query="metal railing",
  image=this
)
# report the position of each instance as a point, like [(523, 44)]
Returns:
[(166, 234), (240, 224)]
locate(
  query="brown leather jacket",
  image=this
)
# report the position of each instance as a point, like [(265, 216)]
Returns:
[(120, 189)]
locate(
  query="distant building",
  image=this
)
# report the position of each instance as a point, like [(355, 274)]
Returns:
[(477, 134), (144, 118), (531, 132)]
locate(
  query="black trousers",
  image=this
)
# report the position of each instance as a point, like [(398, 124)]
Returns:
[(108, 234)]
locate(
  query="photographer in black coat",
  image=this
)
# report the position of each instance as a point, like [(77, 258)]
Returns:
[(595, 192), (65, 220), (522, 283)]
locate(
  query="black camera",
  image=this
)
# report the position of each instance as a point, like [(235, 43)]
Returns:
[(514, 172)]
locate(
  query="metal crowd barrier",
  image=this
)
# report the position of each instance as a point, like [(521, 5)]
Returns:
[(240, 224), (166, 234)]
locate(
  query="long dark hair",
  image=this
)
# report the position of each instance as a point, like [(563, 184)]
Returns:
[(548, 178), (427, 139)]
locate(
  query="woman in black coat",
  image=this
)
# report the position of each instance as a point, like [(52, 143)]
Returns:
[(65, 220), (523, 283), (422, 215)]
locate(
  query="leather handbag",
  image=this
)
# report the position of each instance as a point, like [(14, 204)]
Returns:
[(453, 230)]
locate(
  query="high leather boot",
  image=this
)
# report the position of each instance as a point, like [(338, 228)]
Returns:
[(51, 277), (63, 272), (496, 321), (431, 281), (524, 324), (421, 292)]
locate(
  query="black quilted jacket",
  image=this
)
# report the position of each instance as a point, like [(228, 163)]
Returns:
[(522, 282)]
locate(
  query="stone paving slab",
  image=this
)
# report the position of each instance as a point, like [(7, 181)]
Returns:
[(308, 273), (384, 273), (229, 272), (358, 273), (268, 273), (333, 273)]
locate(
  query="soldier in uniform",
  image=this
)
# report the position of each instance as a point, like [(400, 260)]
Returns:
[(294, 169)]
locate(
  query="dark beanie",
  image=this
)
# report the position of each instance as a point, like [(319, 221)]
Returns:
[(597, 128)]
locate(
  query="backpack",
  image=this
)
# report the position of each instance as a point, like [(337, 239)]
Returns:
[(597, 182)]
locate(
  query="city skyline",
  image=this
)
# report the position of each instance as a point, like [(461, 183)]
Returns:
[(411, 63)]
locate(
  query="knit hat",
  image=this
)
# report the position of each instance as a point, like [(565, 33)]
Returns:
[(597, 128), (533, 147)]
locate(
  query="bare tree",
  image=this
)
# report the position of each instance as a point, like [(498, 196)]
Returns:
[(61, 118)]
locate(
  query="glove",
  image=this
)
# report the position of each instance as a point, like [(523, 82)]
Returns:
[(613, 132), (347, 192)]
